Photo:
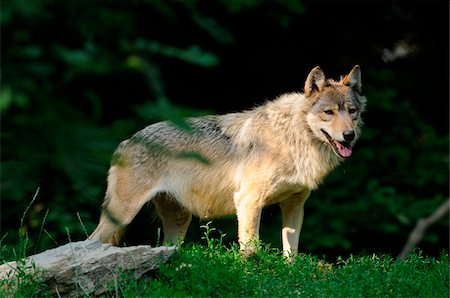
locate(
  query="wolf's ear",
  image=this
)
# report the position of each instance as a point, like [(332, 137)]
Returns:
[(353, 79), (315, 81)]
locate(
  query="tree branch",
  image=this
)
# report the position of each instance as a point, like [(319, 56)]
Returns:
[(422, 225)]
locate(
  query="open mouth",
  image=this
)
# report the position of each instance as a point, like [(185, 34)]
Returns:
[(342, 149)]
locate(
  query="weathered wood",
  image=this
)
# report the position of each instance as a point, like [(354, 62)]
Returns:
[(85, 267), (422, 225)]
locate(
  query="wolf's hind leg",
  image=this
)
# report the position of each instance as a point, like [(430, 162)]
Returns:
[(107, 230), (124, 198), (175, 219)]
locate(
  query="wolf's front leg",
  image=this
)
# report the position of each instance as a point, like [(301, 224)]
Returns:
[(249, 216), (292, 211)]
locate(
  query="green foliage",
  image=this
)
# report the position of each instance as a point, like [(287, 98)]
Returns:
[(27, 281), (77, 79), (193, 54), (58, 141), (213, 270)]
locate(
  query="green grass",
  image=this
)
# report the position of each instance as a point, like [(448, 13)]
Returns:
[(214, 270)]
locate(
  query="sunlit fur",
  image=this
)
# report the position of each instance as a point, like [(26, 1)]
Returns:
[(234, 163)]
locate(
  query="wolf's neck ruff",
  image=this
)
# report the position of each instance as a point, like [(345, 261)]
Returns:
[(296, 144)]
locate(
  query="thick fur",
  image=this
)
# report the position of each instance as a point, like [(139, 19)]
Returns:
[(237, 163)]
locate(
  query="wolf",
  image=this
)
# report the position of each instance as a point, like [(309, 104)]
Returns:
[(237, 163)]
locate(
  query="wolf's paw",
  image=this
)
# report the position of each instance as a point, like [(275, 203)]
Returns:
[(247, 253)]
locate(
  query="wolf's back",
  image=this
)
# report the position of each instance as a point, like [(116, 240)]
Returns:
[(206, 141)]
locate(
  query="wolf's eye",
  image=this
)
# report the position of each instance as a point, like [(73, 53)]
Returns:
[(351, 111), (329, 112)]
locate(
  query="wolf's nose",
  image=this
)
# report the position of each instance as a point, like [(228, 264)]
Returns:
[(349, 135)]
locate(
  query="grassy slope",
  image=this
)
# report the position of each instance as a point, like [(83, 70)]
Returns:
[(213, 270), (220, 272)]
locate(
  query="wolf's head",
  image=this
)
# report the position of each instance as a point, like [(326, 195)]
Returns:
[(335, 107)]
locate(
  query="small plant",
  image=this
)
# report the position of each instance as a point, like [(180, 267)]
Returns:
[(212, 242), (24, 279)]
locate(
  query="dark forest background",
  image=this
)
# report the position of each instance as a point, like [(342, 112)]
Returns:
[(79, 77)]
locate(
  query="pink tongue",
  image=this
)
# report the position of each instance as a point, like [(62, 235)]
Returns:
[(343, 151)]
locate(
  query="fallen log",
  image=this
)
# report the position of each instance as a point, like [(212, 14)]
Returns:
[(84, 267)]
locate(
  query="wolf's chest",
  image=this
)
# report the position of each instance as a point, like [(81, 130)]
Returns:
[(310, 168)]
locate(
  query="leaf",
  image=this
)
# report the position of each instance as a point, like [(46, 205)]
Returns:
[(193, 54), (5, 98), (193, 155)]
